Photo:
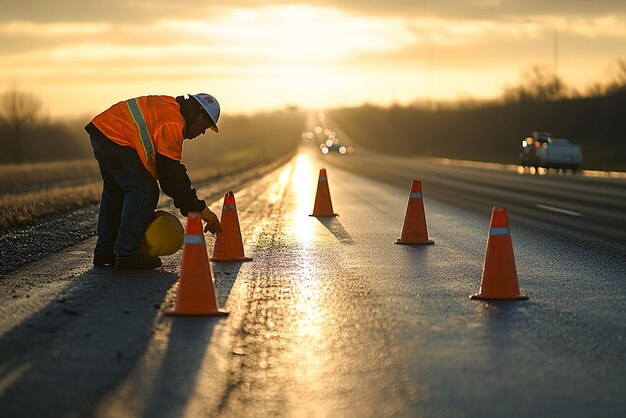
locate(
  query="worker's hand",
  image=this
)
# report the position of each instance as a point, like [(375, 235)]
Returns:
[(212, 223)]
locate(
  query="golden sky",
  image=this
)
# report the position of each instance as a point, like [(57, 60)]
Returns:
[(80, 56)]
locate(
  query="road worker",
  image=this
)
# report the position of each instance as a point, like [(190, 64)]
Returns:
[(138, 144)]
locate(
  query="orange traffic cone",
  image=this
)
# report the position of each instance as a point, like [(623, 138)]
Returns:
[(196, 294), (228, 243), (414, 230), (499, 279), (323, 206)]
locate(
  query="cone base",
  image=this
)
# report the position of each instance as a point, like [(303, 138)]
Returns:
[(196, 313), (478, 296), (324, 216), (231, 259), (427, 242)]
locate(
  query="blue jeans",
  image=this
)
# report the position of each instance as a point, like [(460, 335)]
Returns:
[(129, 198)]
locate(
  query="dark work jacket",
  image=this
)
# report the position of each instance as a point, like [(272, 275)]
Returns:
[(173, 179), (175, 183)]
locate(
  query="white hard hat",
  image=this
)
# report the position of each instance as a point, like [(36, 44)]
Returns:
[(211, 106)]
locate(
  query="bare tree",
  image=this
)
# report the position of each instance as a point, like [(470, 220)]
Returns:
[(537, 84), (617, 84), (19, 110)]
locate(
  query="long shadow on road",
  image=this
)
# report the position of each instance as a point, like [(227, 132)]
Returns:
[(225, 275), (63, 358), (176, 380), (334, 227), (187, 345)]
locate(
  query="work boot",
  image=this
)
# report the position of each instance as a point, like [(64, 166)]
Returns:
[(137, 262), (101, 260)]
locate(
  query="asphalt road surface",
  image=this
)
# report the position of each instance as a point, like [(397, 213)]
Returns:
[(588, 210), (331, 319)]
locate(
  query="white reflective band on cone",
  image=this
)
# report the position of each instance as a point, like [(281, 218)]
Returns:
[(323, 178), (415, 195), (229, 207), (194, 239), (500, 231)]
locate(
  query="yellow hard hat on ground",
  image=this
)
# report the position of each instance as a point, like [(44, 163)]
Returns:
[(164, 235)]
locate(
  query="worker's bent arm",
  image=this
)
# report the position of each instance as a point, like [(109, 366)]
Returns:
[(176, 184)]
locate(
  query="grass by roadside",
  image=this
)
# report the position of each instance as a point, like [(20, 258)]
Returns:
[(23, 208), (14, 177), (31, 191)]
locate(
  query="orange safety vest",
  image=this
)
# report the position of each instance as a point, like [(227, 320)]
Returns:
[(149, 124)]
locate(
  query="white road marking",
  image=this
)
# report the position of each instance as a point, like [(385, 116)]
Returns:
[(553, 209)]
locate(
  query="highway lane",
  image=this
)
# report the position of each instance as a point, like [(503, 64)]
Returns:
[(332, 319), (589, 210)]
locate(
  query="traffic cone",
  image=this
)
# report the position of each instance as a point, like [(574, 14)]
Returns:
[(196, 294), (499, 279), (323, 206), (414, 230), (228, 243)]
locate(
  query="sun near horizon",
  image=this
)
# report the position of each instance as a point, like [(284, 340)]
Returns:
[(255, 56)]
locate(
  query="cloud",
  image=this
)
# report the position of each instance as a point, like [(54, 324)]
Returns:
[(464, 9), (55, 29), (328, 50), (128, 11), (138, 12), (278, 40), (267, 34)]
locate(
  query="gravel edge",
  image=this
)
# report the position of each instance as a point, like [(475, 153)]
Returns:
[(25, 244)]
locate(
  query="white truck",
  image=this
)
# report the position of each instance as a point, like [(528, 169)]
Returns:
[(543, 150)]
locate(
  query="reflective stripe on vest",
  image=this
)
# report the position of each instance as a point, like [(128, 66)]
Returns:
[(142, 128)]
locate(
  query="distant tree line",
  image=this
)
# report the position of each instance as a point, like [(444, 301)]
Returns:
[(539, 84), (267, 136), (492, 131), (26, 135), (470, 130)]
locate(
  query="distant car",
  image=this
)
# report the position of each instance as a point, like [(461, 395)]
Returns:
[(341, 149), (332, 144)]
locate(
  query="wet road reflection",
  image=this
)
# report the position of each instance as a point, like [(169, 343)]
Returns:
[(303, 183), (332, 319), (317, 340), (341, 322)]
